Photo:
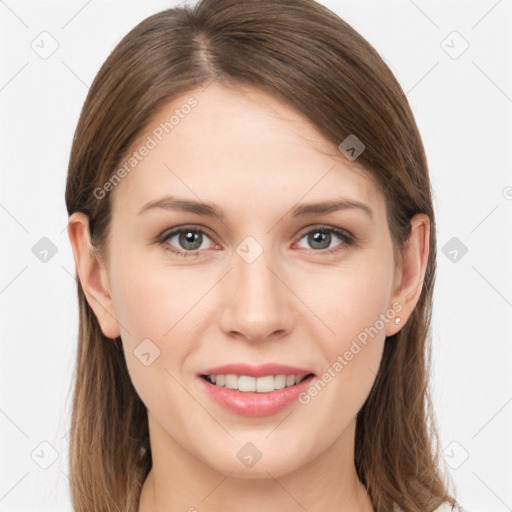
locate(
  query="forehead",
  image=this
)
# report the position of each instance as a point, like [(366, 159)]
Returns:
[(240, 147)]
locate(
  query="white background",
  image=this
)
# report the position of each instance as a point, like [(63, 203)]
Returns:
[(463, 109)]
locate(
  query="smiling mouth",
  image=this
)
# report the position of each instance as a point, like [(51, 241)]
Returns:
[(248, 384)]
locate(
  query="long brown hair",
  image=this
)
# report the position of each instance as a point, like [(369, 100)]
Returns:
[(301, 52)]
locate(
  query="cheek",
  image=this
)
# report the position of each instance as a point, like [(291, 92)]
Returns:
[(151, 304), (152, 298), (354, 309), (157, 303), (353, 301)]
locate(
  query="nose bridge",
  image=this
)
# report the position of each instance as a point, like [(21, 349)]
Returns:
[(258, 303)]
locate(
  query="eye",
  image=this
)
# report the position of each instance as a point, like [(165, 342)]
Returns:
[(320, 239), (189, 241)]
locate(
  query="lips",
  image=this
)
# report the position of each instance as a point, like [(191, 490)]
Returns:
[(262, 401)]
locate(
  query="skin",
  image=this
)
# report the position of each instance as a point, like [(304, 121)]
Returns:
[(254, 157)]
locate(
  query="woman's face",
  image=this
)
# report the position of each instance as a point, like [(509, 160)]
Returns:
[(263, 280)]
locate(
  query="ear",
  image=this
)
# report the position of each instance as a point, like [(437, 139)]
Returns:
[(92, 274), (408, 281)]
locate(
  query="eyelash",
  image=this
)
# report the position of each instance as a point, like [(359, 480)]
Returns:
[(347, 239)]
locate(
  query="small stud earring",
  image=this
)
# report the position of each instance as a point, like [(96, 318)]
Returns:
[(398, 320)]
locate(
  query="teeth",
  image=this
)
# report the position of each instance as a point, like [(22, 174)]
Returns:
[(255, 384), (266, 384), (280, 381), (231, 382), (245, 383)]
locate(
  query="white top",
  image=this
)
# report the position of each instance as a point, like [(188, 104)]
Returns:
[(445, 507)]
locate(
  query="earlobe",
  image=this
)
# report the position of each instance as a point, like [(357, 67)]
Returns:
[(92, 275), (409, 282)]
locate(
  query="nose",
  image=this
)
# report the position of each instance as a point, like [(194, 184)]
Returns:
[(259, 304)]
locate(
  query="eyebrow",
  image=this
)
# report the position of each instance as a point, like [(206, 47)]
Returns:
[(212, 210)]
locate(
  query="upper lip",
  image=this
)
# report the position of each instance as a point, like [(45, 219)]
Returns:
[(261, 370)]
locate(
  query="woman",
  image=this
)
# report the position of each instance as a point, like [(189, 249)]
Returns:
[(254, 238)]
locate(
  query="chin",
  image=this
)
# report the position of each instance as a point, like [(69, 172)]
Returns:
[(277, 464)]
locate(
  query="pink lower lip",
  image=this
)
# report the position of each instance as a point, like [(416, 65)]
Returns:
[(256, 404)]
